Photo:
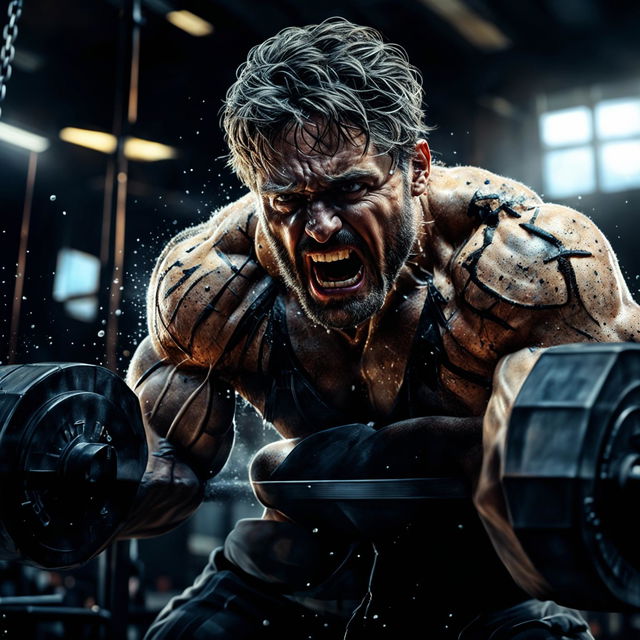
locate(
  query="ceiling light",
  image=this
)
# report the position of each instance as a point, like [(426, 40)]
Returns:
[(475, 29), (97, 140), (189, 22), (134, 148), (22, 138), (147, 151)]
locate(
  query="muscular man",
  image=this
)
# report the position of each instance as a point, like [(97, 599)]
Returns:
[(373, 308)]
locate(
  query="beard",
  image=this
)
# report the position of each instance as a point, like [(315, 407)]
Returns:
[(350, 311)]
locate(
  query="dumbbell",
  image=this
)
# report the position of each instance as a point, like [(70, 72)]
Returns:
[(73, 451)]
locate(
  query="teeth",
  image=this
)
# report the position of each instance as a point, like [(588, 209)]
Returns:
[(332, 256), (335, 284)]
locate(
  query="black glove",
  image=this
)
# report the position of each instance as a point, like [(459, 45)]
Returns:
[(170, 491)]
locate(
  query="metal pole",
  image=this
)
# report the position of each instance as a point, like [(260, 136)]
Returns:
[(105, 240), (126, 113), (22, 257), (115, 561), (119, 596)]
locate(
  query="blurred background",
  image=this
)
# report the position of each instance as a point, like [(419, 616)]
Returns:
[(545, 91)]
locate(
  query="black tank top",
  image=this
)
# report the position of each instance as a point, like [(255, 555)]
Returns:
[(292, 396)]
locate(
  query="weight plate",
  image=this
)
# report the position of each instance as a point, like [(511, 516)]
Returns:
[(72, 453), (568, 472)]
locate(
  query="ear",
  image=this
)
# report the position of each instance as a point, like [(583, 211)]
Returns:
[(420, 168)]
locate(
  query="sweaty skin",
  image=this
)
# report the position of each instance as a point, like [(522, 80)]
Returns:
[(503, 272)]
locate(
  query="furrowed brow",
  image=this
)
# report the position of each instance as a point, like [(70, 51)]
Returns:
[(273, 188), (351, 175)]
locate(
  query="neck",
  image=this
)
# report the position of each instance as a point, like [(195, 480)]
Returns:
[(427, 233), (421, 257)]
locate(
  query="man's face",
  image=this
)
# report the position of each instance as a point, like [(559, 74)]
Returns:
[(341, 226)]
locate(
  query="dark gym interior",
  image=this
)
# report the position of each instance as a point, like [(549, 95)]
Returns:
[(546, 92)]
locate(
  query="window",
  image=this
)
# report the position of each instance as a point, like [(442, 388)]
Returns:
[(76, 283), (592, 146)]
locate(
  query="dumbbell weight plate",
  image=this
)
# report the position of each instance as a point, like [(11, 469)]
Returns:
[(72, 453), (568, 474)]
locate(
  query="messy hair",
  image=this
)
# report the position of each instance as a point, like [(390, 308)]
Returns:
[(339, 76)]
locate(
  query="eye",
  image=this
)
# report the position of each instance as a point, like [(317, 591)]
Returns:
[(284, 198), (286, 202), (351, 187)]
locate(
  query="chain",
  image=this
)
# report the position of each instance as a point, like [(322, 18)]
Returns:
[(8, 50)]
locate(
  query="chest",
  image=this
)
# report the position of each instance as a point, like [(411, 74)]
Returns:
[(317, 378), (364, 370)]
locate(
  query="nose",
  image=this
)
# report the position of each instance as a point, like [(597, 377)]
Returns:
[(322, 222)]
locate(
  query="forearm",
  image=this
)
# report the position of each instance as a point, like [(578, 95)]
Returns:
[(489, 496), (188, 417), (420, 447), (169, 493), (189, 407), (428, 446)]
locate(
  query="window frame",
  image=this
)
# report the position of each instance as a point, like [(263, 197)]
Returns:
[(588, 97)]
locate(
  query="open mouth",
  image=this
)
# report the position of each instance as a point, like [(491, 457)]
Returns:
[(336, 271)]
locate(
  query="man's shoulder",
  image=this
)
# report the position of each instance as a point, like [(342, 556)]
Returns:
[(536, 257), (513, 256), (465, 195), (508, 244), (205, 281)]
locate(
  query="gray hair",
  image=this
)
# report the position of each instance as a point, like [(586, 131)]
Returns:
[(342, 77)]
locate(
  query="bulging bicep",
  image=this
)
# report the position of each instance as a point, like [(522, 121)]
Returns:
[(203, 291)]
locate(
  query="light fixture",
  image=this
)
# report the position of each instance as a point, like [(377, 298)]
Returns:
[(474, 28), (191, 23), (134, 148), (97, 140), (24, 139), (148, 151)]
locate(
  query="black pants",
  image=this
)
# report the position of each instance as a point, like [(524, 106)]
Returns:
[(436, 576), (225, 604)]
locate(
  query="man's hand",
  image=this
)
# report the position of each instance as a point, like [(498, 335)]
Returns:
[(169, 493)]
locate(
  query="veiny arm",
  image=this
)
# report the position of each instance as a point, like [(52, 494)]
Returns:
[(202, 286), (189, 407), (593, 306), (188, 418)]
